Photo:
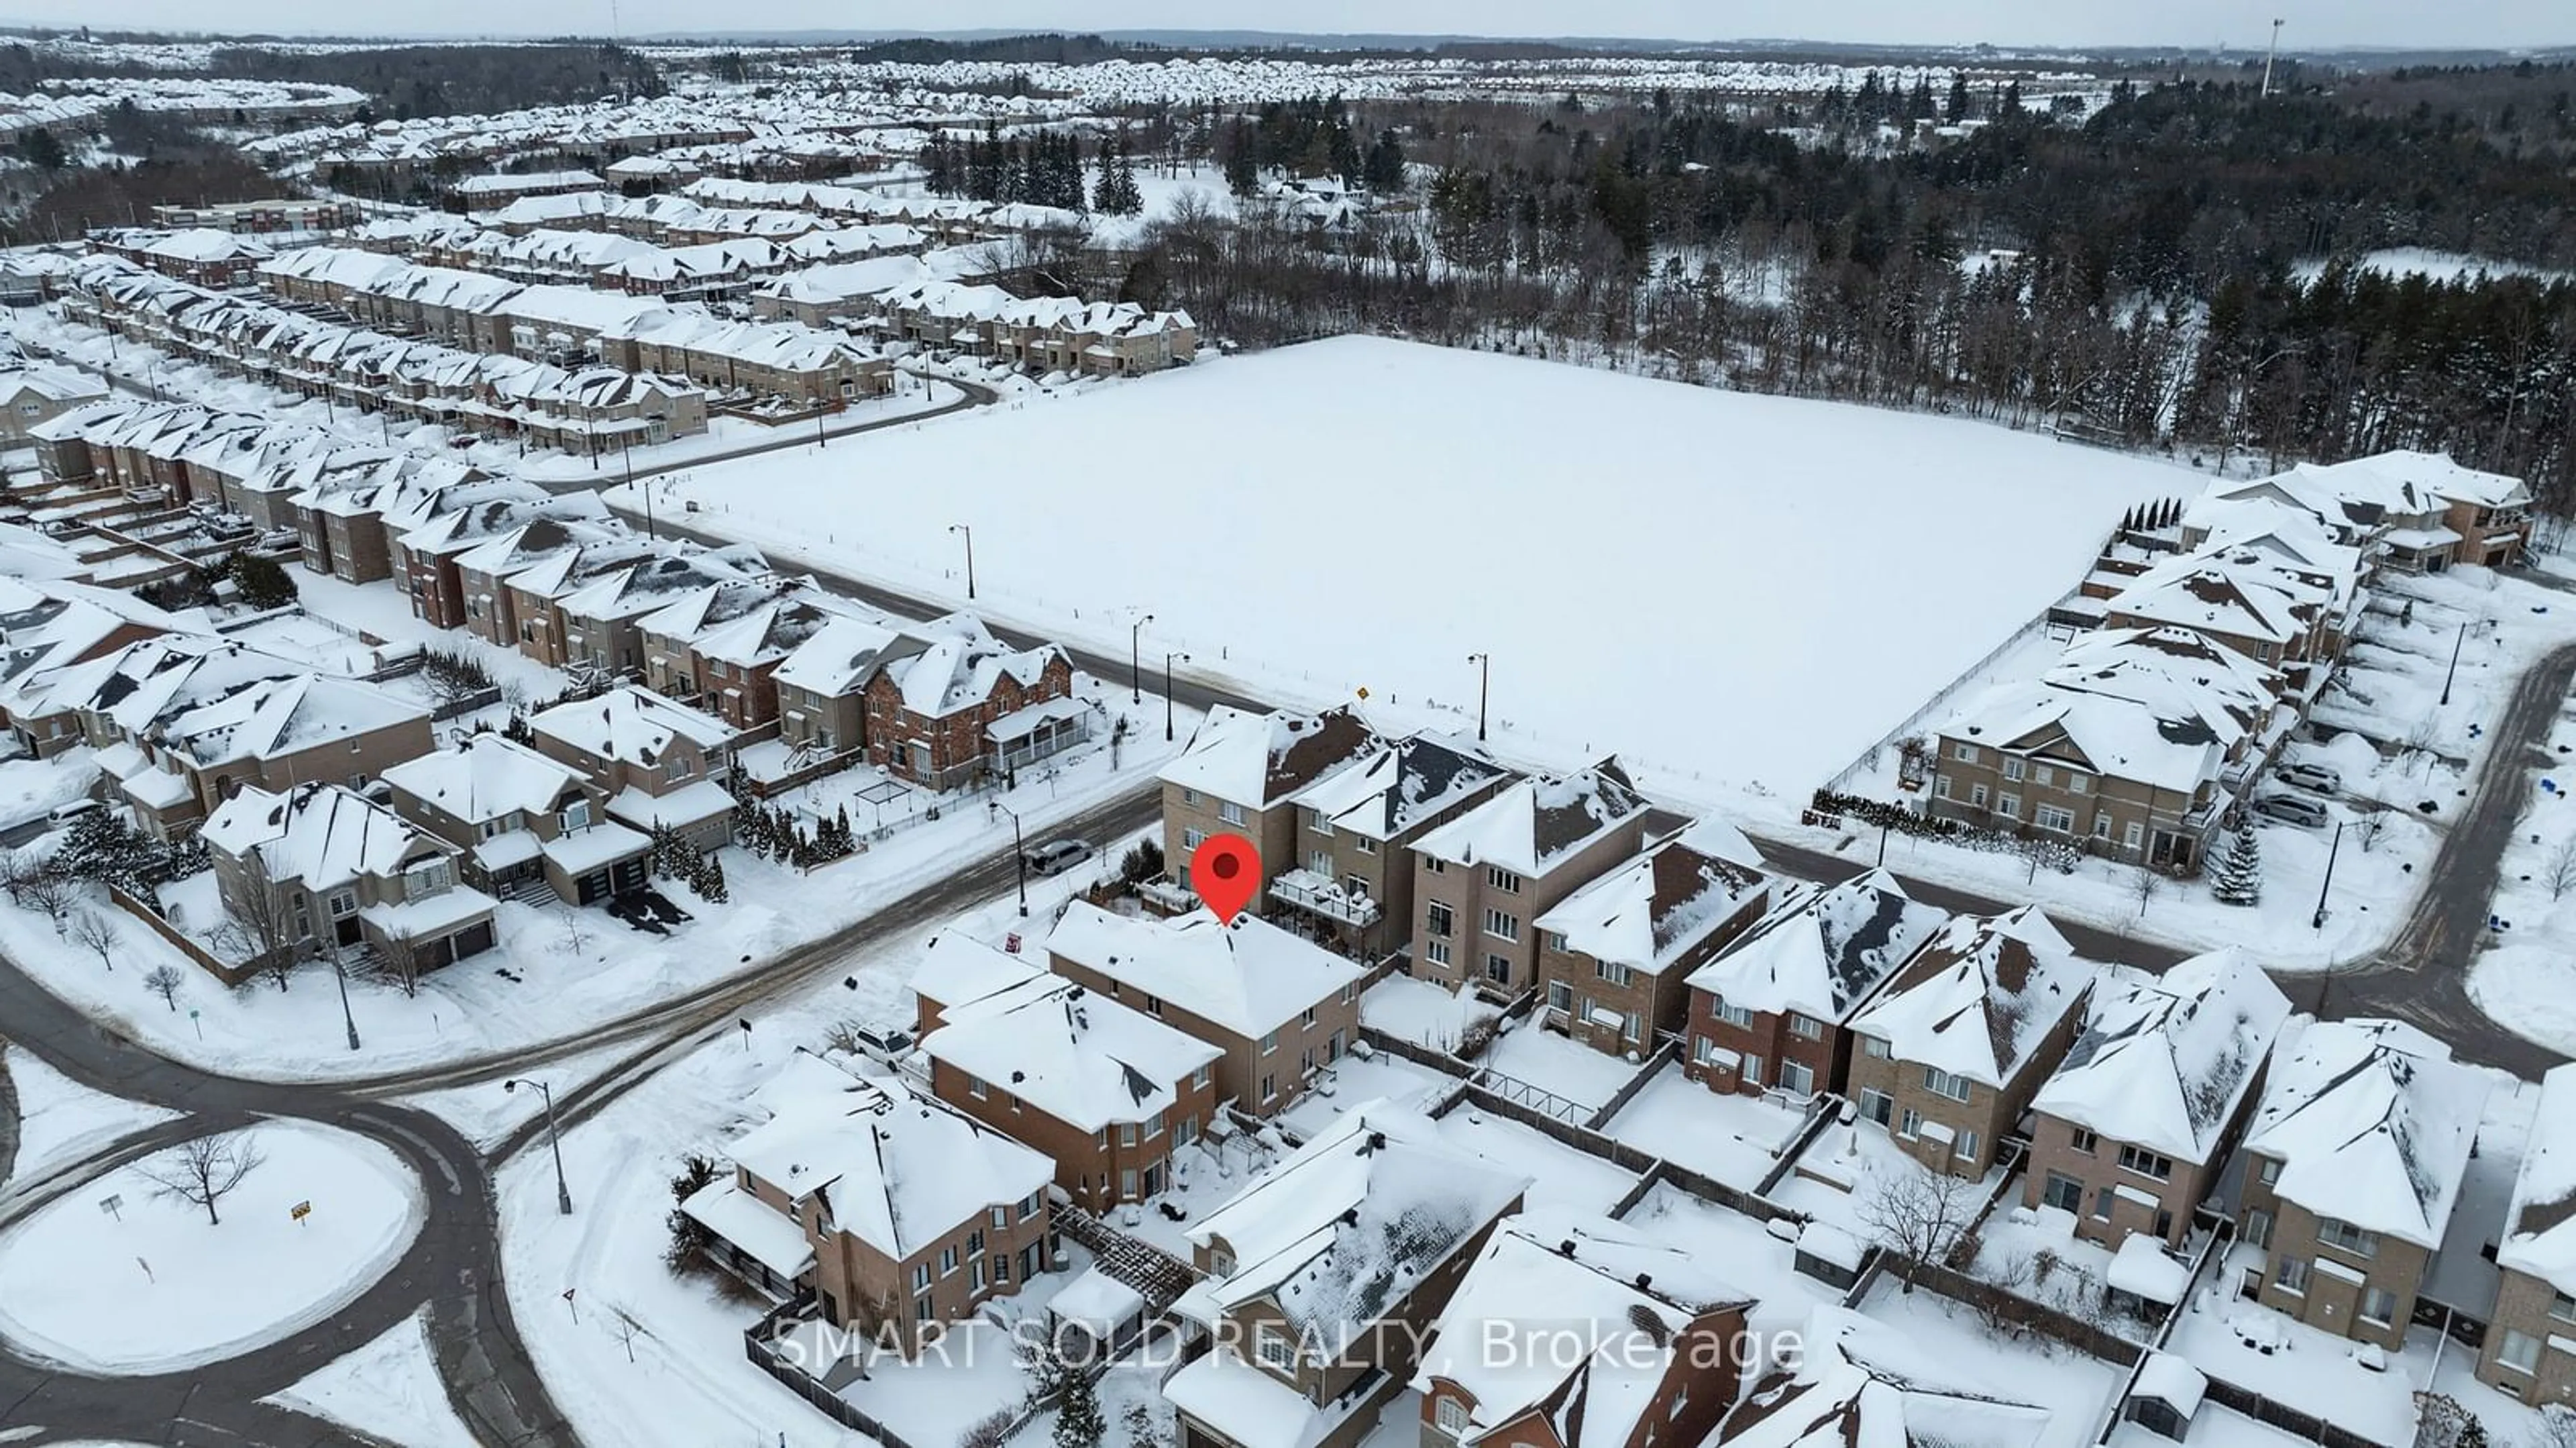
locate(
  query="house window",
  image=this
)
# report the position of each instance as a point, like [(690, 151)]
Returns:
[(2292, 1275), (1910, 1123), (1270, 1043), (1703, 1051), (1966, 1149), (1502, 926), (1276, 1350), (1320, 825), (1560, 995), (2062, 1192), (2146, 1163), (1452, 1417), (1555, 940), (2563, 1307), (921, 1277), (975, 1275), (1964, 753), (1001, 1267), (1192, 839), (2133, 836), (2043, 776), (1200, 1077), (2379, 1305), (1503, 880), (1230, 812), (1439, 919), (975, 1087), (2271, 1170), (2078, 783), (2344, 1236), (1498, 968), (343, 902), (1752, 1071), (921, 1309), (947, 1260), (1220, 1264), (2102, 825), (1028, 1206), (2009, 806), (1798, 1077), (1611, 971), (1433, 866), (2014, 768), (1190, 797), (1435, 952), (1349, 992), (1127, 1184), (1874, 1047), (1940, 786), (1806, 1028), (2084, 1140), (1944, 1083), (1268, 1092), (1876, 1105), (2053, 819), (1976, 796), (2521, 1351), (1733, 1015), (1126, 1133), (1000, 1218), (1307, 1018)]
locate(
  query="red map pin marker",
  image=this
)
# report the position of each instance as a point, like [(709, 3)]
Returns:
[(1226, 871)]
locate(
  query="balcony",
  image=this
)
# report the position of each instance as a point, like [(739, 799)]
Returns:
[(1317, 895)]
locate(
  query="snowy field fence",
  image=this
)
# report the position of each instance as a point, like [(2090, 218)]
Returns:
[(2276, 1414), (1967, 677), (811, 1389)]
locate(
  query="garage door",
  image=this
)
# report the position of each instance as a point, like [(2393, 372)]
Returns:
[(473, 940)]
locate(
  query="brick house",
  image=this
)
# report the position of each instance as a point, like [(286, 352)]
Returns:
[(1107, 1092), (718, 648), (1613, 956), (1351, 877), (950, 703), (602, 630), (2530, 1349), (1528, 847), (1774, 1009), (50, 626), (900, 1215), (660, 763), (2352, 1167), (1279, 1007), (30, 395), (426, 543), (344, 872), (1324, 1275), (822, 687), (1860, 1381), (1237, 774), (1954, 1048), (2130, 1133), (1652, 1359), (530, 829)]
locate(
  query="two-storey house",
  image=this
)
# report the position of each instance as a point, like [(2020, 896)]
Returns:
[(531, 829), (1614, 956), (1351, 878), (1238, 773), (661, 764), (338, 871), (950, 703), (2530, 1349)]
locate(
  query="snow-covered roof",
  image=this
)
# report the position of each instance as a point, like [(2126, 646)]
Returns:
[(2143, 1268), (1822, 951), (1861, 1383), (2164, 1061), (1535, 824), (50, 383), (486, 777), (897, 1170), (2538, 1237), (1254, 759), (1341, 1231), (630, 724), (1073, 1054), (2372, 1122), (1250, 977), (2213, 595), (1551, 1272), (321, 834), (955, 663), (1980, 995), (1656, 909), (1399, 785)]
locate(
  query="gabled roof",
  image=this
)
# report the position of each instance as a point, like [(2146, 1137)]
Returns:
[(2164, 1061), (1822, 951), (2211, 595), (1867, 1384), (1249, 978), (1076, 1055), (1342, 1230), (838, 659), (955, 663), (2373, 1123), (1590, 1314), (2540, 1225), (1535, 824), (487, 777), (1651, 911), (1257, 759), (1980, 995), (320, 834), (1399, 785), (633, 725)]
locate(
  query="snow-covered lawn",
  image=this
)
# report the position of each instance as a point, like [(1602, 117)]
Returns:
[(1559, 1174), (1729, 1138), (2077, 1390), (31, 787), (1743, 1252), (2306, 1368), (1356, 1081), (60, 1121), (1423, 1014), (1535, 1056), (1844, 1170), (1613, 488), (545, 981), (390, 1388), (154, 1288), (968, 1374)]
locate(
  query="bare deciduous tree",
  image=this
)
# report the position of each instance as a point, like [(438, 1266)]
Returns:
[(204, 1171), (576, 935), (164, 981), (35, 884), (2561, 871), (263, 909), (398, 962), (2146, 885), (1919, 1215), (97, 932)]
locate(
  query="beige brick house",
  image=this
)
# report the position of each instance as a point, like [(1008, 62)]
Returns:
[(2130, 1134), (1324, 1276), (2530, 1349), (1528, 847), (1279, 1007), (1237, 775), (1108, 1093), (1773, 1010), (1614, 956), (1562, 1308), (1350, 878), (822, 687), (660, 763), (531, 829), (341, 872), (899, 1214), (1954, 1048), (2352, 1167)]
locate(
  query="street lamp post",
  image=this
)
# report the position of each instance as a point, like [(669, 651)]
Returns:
[(1484, 686), (970, 557), (2455, 661), (340, 971), (1019, 853), (1168, 734), (1136, 659), (563, 1193), (2318, 920)]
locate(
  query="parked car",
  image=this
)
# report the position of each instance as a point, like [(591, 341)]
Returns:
[(2291, 809), (2317, 777), (884, 1045), (63, 814), (1057, 856)]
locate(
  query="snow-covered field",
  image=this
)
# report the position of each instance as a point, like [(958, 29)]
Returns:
[(389, 1388), (1729, 1138), (1739, 594), (60, 1121), (153, 1287)]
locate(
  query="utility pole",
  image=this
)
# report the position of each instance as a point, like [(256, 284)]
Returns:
[(2318, 921), (1136, 660), (1019, 852), (2269, 56), (2455, 662), (1484, 686), (1167, 695), (970, 557), (563, 1193)]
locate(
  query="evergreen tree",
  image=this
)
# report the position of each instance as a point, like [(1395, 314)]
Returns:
[(1078, 1423), (2238, 877), (39, 149), (1385, 169), (1918, 103), (1239, 154), (1117, 193), (2012, 99), (1958, 108), (711, 882)]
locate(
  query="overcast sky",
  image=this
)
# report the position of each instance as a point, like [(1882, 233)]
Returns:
[(2240, 23)]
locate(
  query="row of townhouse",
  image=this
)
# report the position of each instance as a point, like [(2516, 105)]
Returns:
[(594, 408), (219, 259), (570, 254), (567, 325), (2211, 642), (279, 215), (1061, 334)]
